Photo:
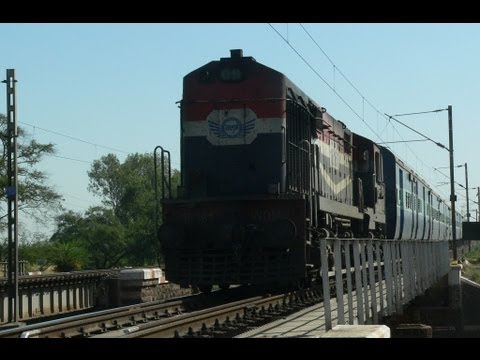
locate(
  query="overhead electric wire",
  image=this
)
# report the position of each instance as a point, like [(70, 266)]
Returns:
[(67, 158), (338, 69), (352, 85), (421, 112), (325, 81), (77, 198), (391, 142), (448, 177), (83, 141), (356, 89), (418, 132), (77, 206), (366, 100), (75, 138)]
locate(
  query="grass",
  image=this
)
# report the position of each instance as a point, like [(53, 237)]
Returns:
[(471, 267)]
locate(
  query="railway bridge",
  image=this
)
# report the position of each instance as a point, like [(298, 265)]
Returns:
[(363, 281), (387, 274), (377, 280)]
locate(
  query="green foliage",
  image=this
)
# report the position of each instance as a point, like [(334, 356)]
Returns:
[(37, 199), (472, 272), (68, 256), (38, 255), (69, 227), (123, 231), (129, 189), (3, 250), (473, 256), (98, 234), (175, 181), (104, 238), (471, 267), (63, 256), (104, 180)]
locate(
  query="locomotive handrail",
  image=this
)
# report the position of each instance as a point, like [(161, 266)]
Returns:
[(165, 154), (165, 181)]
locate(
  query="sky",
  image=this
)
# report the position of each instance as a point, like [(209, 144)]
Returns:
[(93, 89)]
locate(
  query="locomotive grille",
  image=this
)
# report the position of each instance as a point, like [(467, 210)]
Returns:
[(224, 267), (298, 135)]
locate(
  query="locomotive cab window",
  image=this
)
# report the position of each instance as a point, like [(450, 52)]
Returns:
[(231, 74)]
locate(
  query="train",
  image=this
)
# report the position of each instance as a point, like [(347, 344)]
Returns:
[(266, 172)]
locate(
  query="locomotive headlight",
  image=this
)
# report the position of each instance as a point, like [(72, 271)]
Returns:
[(230, 74)]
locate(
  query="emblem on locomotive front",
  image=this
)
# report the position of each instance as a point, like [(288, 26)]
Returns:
[(231, 127)]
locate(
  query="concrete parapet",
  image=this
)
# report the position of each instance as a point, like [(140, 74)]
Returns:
[(154, 274), (454, 286), (454, 274), (142, 285), (136, 285), (358, 331), (133, 286), (413, 331)]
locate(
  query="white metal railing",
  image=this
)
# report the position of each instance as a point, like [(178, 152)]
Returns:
[(383, 275)]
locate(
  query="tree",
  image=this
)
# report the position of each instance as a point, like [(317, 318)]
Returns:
[(69, 227), (35, 197), (128, 188), (123, 231), (105, 181), (37, 254), (67, 256), (104, 238), (94, 241)]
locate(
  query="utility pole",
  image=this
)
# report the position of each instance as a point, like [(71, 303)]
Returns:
[(12, 198), (452, 184), (468, 209), (466, 187), (478, 201)]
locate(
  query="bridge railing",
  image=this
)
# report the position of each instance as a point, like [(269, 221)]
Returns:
[(383, 275), (22, 268)]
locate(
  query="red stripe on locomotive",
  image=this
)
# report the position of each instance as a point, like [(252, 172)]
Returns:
[(257, 91)]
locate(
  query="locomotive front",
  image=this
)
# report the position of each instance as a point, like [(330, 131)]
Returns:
[(233, 221)]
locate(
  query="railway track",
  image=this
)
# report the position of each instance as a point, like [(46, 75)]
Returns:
[(226, 320), (220, 314), (100, 321), (85, 325), (223, 313)]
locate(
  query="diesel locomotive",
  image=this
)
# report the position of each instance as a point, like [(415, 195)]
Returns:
[(266, 171)]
